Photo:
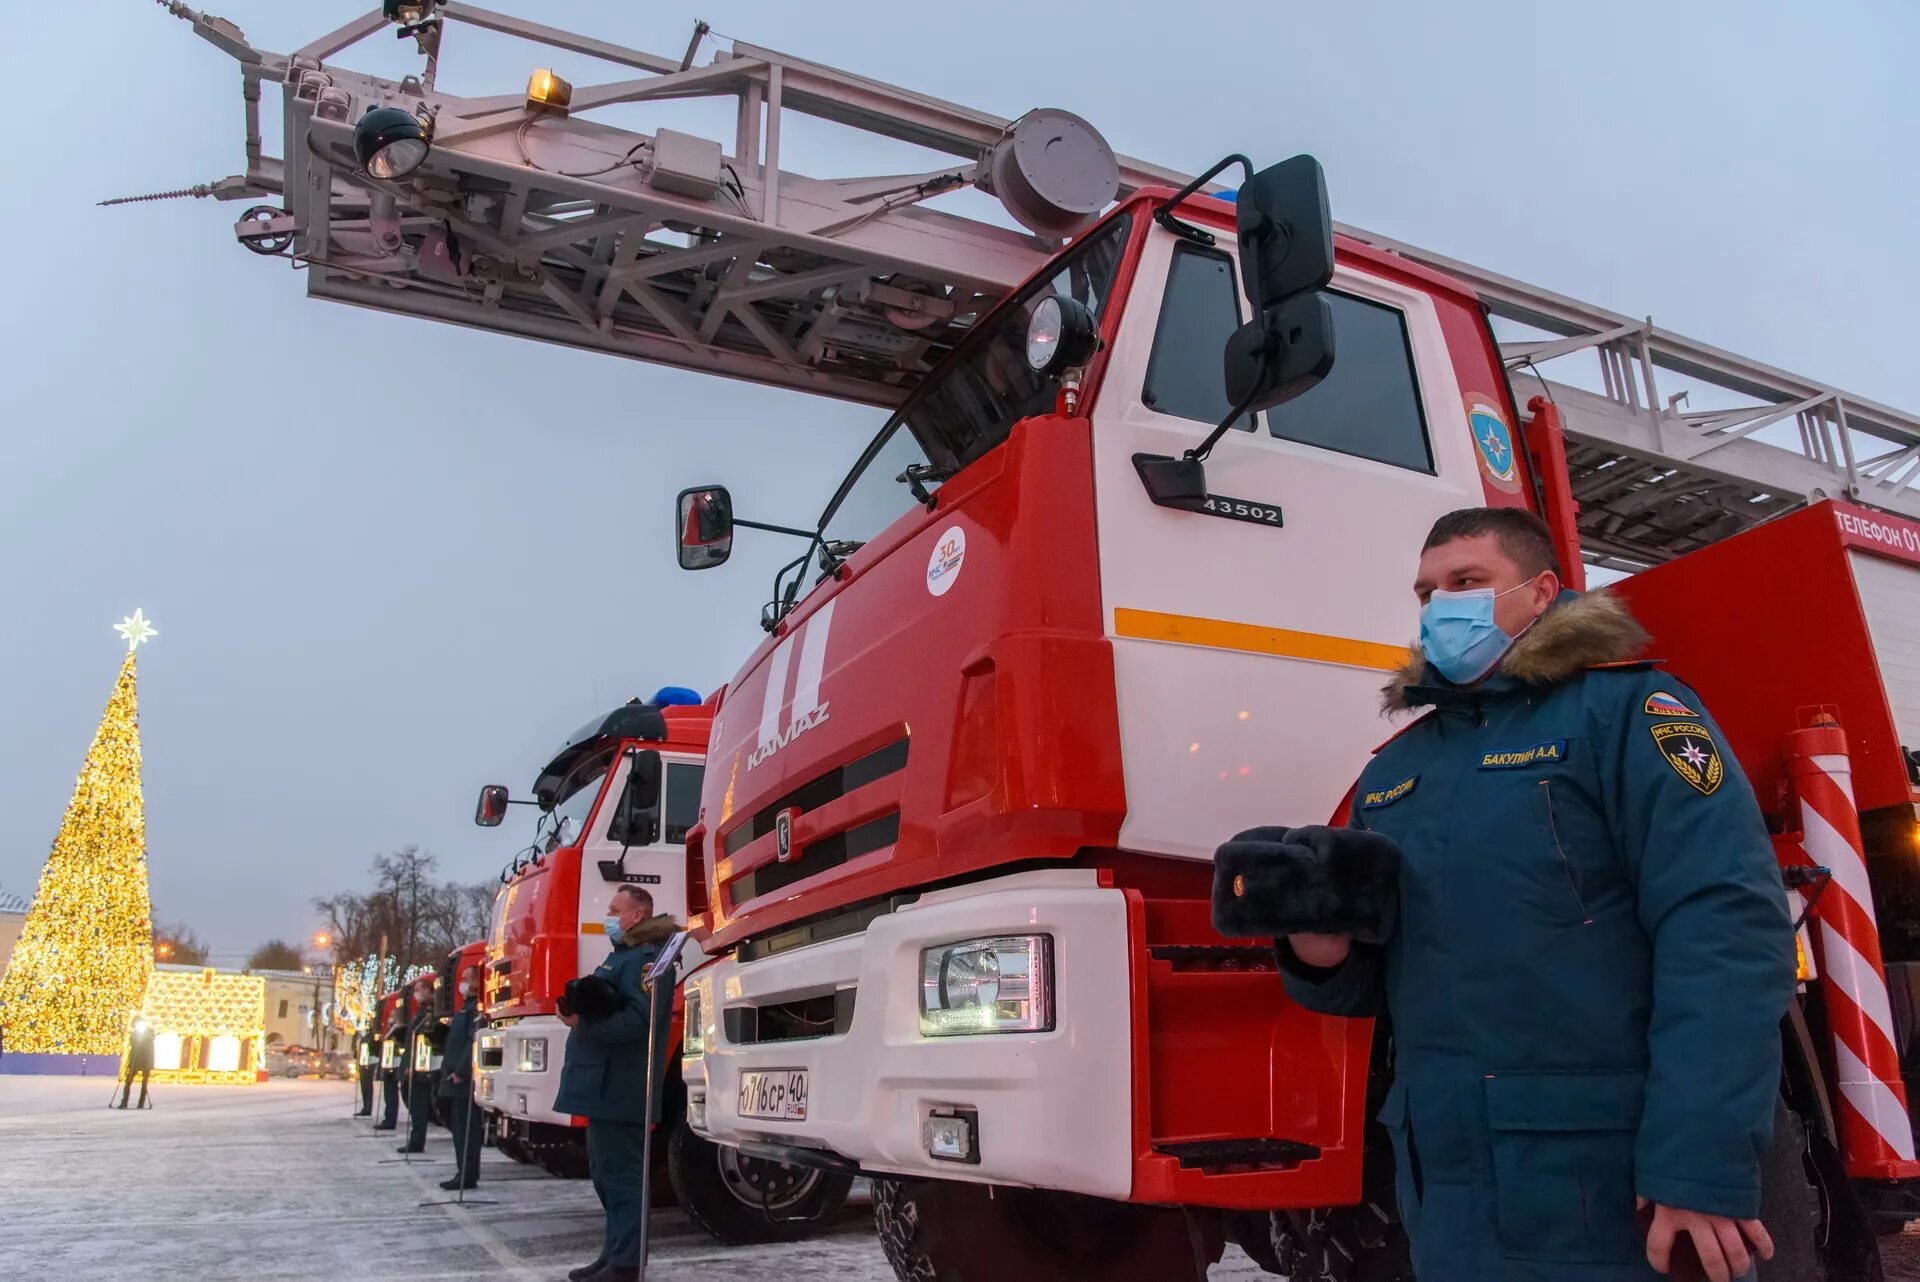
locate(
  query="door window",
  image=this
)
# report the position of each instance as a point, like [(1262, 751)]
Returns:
[(1369, 406), (1200, 310), (683, 800)]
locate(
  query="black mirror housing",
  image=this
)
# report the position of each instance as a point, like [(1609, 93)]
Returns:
[(493, 806), (1280, 353), (643, 780), (1285, 232), (705, 527)]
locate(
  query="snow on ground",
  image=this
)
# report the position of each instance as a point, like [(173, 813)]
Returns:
[(277, 1183)]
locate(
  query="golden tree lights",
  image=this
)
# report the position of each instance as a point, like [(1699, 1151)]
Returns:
[(79, 970)]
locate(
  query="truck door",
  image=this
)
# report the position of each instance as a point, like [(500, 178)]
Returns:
[(644, 846), (1250, 646)]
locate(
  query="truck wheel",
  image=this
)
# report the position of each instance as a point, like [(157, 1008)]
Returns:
[(562, 1161), (944, 1231), (744, 1200)]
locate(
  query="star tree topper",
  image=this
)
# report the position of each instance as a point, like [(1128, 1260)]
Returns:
[(135, 629)]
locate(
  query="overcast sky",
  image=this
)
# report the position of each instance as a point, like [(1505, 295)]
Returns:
[(391, 561)]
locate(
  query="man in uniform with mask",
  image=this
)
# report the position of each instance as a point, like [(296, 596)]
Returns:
[(604, 1078), (1593, 952), (393, 1062), (456, 1085), (366, 1055)]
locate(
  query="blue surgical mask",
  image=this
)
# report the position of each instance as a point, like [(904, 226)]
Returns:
[(1459, 636), (612, 925)]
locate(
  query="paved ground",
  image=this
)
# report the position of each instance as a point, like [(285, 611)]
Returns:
[(277, 1183)]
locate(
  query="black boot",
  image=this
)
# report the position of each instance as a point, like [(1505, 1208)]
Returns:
[(616, 1273), (587, 1270), (454, 1184)]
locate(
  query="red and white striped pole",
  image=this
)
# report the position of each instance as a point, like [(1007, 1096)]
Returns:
[(1876, 1135)]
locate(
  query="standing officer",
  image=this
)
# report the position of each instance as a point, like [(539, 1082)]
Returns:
[(1593, 953), (366, 1056), (139, 1061), (423, 1034), (605, 1079), (393, 1064), (456, 1086)]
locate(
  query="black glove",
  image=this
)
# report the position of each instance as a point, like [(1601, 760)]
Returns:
[(592, 997), (1327, 881)]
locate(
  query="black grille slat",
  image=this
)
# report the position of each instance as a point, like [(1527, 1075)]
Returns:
[(795, 1021), (815, 793), (1231, 1155), (828, 852)]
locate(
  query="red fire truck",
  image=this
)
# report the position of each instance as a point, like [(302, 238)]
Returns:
[(1045, 647), (616, 802)]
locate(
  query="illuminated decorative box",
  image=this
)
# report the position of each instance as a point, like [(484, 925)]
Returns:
[(208, 1025)]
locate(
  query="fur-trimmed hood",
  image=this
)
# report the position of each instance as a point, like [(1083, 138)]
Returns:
[(655, 930), (1577, 632)]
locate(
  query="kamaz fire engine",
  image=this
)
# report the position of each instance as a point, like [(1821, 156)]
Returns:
[(616, 803), (1120, 574)]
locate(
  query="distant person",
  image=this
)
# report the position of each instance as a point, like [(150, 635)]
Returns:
[(423, 1032), (139, 1060), (605, 1076), (366, 1054), (456, 1085), (393, 1066)]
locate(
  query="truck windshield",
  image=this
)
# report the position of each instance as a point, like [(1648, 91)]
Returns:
[(575, 800), (972, 400)]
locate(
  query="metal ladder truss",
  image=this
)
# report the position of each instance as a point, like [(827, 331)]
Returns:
[(690, 252)]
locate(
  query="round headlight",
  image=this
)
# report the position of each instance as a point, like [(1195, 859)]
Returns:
[(1061, 335), (390, 142)]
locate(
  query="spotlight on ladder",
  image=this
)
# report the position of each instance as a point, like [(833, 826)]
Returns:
[(1052, 171), (390, 142)]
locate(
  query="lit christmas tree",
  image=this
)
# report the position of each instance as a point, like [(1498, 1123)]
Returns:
[(80, 968)]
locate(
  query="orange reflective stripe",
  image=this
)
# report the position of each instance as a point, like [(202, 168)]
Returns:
[(1251, 638)]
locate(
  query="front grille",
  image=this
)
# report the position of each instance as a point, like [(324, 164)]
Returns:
[(815, 793), (816, 857), (790, 1021)]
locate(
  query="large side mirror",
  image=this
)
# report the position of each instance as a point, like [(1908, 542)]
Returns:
[(1280, 353), (643, 780), (1285, 232), (705, 527), (493, 806)]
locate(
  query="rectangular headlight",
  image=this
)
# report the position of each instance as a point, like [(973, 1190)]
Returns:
[(998, 985), (693, 1035), (533, 1055)]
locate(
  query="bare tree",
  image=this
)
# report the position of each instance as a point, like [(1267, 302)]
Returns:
[(275, 954), (422, 918), (176, 942)]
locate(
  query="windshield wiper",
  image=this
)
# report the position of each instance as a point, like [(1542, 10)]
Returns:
[(917, 475)]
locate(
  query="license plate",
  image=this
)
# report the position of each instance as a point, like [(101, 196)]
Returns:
[(779, 1093)]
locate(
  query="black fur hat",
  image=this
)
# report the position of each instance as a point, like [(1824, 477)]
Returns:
[(589, 997), (1280, 881)]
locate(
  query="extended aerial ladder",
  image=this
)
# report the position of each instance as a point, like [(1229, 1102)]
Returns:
[(528, 217)]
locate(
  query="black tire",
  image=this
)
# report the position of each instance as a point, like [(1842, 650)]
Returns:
[(1252, 1232), (942, 1231), (744, 1200), (562, 1160), (511, 1147)]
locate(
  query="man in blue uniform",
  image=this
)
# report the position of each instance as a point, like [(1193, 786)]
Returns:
[(1593, 952), (605, 1077), (456, 1086)]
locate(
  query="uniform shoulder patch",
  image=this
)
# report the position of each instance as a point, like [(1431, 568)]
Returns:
[(1375, 798), (1662, 704), (1692, 753)]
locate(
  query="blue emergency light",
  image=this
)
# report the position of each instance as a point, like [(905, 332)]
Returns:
[(675, 697)]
